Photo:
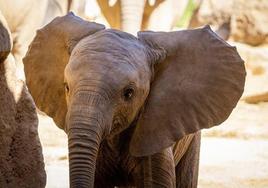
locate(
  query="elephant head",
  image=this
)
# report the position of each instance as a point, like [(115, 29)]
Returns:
[(96, 82)]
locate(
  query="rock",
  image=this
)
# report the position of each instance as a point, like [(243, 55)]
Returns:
[(247, 121), (214, 12), (256, 61), (257, 98), (248, 22)]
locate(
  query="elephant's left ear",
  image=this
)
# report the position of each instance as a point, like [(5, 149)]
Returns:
[(46, 59), (196, 86)]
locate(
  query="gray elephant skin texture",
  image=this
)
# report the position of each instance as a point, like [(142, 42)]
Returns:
[(21, 159), (132, 107)]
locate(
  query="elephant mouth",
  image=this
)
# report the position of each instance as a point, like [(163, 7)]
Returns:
[(118, 126)]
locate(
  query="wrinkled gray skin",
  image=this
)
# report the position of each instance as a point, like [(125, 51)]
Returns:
[(21, 159), (129, 105), (96, 83)]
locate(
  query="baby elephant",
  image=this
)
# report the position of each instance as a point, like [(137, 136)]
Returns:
[(132, 107)]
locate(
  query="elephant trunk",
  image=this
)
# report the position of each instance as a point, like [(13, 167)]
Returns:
[(132, 13), (85, 133)]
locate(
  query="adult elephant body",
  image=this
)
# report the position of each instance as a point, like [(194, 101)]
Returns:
[(21, 160), (132, 107), (24, 17)]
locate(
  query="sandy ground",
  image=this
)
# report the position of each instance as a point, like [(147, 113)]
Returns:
[(233, 155)]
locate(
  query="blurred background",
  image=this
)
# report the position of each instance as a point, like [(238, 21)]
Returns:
[(233, 155)]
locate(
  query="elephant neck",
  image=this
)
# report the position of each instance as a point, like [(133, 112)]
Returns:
[(118, 163)]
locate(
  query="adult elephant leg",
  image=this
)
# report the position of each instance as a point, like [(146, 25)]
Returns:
[(131, 15), (56, 8), (23, 26), (187, 168), (125, 14), (158, 170), (111, 12)]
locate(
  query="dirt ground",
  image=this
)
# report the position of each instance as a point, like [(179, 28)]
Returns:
[(233, 155)]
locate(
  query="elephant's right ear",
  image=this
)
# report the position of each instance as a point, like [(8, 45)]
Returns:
[(46, 59)]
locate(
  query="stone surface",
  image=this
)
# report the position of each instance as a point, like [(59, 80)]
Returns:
[(248, 22), (256, 61)]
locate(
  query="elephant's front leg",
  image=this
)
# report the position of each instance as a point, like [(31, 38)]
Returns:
[(158, 170), (188, 165)]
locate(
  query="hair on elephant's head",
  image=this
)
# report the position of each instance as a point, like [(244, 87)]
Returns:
[(94, 82)]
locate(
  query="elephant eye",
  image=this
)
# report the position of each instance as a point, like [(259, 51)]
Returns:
[(128, 93), (66, 87)]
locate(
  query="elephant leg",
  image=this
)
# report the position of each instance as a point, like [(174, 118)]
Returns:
[(112, 13), (187, 168), (157, 170)]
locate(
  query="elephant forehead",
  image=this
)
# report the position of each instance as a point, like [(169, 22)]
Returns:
[(120, 58), (109, 50), (116, 72), (111, 46)]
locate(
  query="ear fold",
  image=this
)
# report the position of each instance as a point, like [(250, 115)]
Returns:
[(46, 59), (195, 87)]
